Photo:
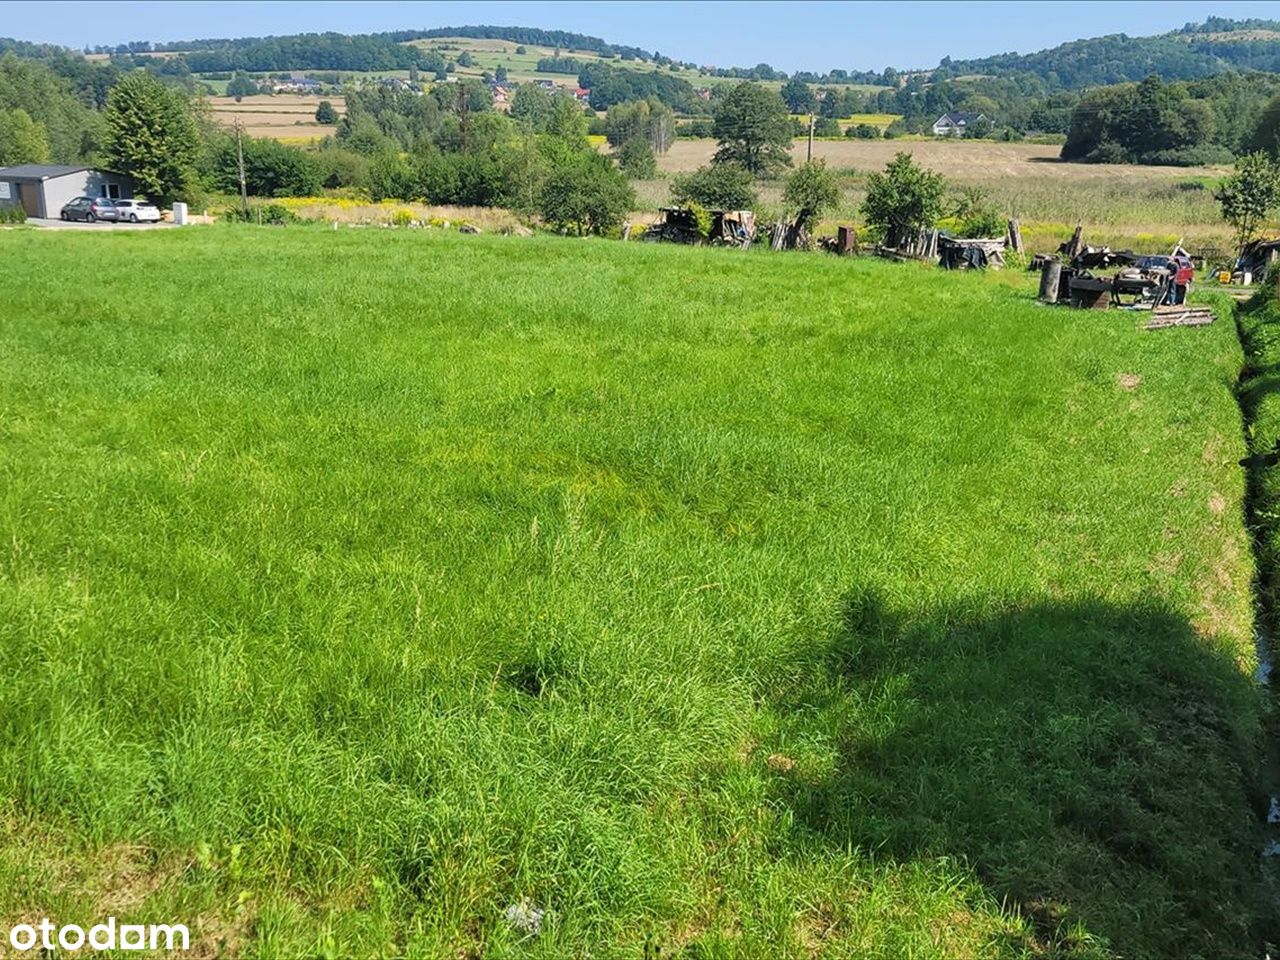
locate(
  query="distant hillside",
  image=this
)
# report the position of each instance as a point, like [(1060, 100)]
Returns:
[(531, 35), (1197, 50)]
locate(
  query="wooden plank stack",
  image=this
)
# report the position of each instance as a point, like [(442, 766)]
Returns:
[(1181, 315)]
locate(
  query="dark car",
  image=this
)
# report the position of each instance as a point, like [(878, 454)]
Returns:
[(90, 209)]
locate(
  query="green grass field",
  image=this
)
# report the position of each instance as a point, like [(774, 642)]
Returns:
[(355, 585)]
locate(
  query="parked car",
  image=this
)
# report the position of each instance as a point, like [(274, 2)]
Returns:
[(90, 209), (137, 211)]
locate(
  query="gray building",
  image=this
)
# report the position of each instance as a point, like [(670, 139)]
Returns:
[(41, 189)]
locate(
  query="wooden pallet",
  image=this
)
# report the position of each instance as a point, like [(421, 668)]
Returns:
[(1179, 316)]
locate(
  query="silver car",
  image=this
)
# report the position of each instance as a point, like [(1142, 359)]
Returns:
[(90, 209)]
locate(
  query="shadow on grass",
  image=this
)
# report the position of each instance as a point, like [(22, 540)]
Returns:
[(1095, 766)]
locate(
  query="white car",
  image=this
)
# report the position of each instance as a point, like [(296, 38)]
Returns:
[(137, 211)]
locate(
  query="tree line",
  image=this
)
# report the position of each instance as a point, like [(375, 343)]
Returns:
[(1193, 52), (1181, 123)]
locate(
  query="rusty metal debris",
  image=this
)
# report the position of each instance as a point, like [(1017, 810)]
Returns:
[(733, 228), (1098, 277)]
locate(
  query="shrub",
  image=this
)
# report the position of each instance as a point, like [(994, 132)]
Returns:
[(701, 218), (1202, 154), (13, 214), (863, 131), (273, 214), (810, 191), (826, 127), (721, 186), (1108, 152), (588, 194), (704, 129), (986, 221), (975, 216), (272, 169), (342, 168), (903, 199), (636, 159)]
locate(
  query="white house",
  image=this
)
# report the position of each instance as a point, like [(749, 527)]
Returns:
[(955, 124)]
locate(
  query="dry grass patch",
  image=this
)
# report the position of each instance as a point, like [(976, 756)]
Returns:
[(285, 117)]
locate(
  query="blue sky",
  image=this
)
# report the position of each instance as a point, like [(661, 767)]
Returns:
[(791, 36)]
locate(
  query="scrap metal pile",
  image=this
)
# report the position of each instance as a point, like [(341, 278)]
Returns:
[(1098, 277), (733, 228), (969, 254)]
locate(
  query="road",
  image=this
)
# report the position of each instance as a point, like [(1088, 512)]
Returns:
[(52, 224)]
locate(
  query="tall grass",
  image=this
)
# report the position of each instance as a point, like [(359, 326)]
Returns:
[(1142, 208), (355, 585)]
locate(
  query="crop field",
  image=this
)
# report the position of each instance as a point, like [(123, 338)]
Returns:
[(361, 590), (286, 116)]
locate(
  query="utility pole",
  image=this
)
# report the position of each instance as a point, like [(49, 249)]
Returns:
[(244, 191), (810, 156), (463, 109)]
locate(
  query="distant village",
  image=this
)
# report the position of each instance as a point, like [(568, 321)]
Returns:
[(502, 91)]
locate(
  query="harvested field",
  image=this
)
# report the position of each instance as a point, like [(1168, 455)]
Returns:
[(285, 116), (959, 159)]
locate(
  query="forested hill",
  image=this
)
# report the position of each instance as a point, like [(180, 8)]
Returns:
[(535, 36), (337, 51), (1197, 50)]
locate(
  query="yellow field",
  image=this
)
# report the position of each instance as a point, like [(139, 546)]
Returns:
[(880, 120), (287, 117)]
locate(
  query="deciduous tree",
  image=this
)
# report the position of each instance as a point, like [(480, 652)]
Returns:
[(903, 199), (753, 129), (1249, 194), (810, 191), (241, 86), (721, 186), (152, 136), (798, 97), (22, 140), (635, 158), (588, 195)]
